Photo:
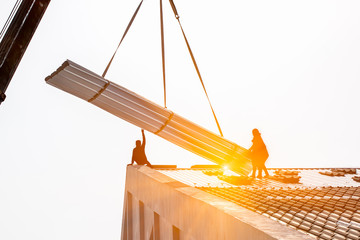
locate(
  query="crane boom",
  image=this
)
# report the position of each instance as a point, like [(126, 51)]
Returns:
[(16, 36)]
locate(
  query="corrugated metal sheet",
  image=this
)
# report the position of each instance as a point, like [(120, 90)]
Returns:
[(131, 107), (323, 206), (310, 178)]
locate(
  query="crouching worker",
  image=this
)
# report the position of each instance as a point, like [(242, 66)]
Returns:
[(138, 155)]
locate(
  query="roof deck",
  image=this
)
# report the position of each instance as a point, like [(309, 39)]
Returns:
[(324, 203), (309, 178)]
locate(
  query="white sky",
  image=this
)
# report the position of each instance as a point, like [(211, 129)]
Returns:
[(289, 68)]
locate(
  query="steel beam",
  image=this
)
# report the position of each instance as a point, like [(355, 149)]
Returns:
[(133, 108)]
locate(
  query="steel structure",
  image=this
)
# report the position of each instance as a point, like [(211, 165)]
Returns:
[(15, 37), (131, 107)]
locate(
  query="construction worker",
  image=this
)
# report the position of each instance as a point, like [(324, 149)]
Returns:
[(258, 154), (138, 155)]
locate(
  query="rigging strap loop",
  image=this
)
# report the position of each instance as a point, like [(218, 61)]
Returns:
[(100, 92), (126, 30), (165, 124)]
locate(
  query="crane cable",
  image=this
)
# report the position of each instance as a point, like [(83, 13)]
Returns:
[(163, 53), (163, 50), (162, 45), (195, 64), (126, 30)]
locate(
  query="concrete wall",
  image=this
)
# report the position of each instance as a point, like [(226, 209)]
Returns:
[(157, 207)]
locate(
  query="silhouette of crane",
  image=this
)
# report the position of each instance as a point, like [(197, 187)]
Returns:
[(16, 36)]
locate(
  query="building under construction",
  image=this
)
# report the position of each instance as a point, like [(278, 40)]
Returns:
[(210, 203)]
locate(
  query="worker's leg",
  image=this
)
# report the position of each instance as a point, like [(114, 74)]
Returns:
[(254, 169), (263, 167), (260, 171), (265, 170)]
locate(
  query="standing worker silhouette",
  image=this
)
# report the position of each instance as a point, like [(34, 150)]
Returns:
[(258, 154), (138, 155)]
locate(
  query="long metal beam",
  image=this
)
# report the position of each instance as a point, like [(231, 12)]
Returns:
[(133, 108)]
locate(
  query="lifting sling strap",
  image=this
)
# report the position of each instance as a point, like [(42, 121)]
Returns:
[(163, 49), (195, 64), (126, 30), (163, 53)]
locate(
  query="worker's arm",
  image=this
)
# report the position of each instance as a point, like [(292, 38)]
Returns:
[(143, 136), (251, 148)]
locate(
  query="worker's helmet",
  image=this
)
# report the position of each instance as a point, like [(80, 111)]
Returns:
[(255, 131)]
